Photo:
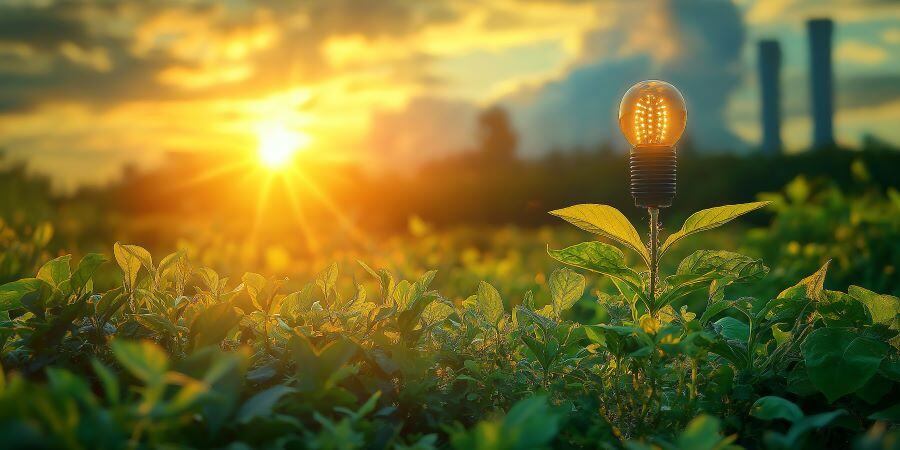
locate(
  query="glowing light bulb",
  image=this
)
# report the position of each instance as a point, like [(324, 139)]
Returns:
[(652, 113), (652, 116)]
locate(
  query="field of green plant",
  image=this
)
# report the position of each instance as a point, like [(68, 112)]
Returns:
[(780, 336)]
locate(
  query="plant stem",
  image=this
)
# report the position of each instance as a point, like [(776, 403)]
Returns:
[(654, 258)]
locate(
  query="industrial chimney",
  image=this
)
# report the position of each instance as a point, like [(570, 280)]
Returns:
[(770, 87), (820, 31)]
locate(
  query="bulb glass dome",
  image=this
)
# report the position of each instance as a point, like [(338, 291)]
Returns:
[(652, 114)]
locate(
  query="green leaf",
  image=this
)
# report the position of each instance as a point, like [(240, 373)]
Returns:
[(262, 403), (723, 264), (296, 303), (703, 433), (733, 329), (882, 308), (255, 284), (328, 279), (144, 359), (772, 407), (810, 287), (713, 309), (840, 361), (436, 312), (55, 271), (130, 258), (212, 325), (108, 380), (566, 287), (489, 302), (210, 279), (86, 268), (601, 258), (708, 219), (605, 221), (11, 293), (793, 438)]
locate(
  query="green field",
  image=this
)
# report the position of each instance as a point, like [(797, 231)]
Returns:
[(781, 334)]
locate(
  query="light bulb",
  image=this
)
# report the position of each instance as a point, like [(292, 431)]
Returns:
[(652, 116), (652, 113)]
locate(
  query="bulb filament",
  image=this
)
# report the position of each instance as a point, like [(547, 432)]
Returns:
[(651, 119)]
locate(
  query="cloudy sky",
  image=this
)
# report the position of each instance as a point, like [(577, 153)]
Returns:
[(88, 86)]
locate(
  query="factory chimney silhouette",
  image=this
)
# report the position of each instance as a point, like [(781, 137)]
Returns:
[(820, 31), (769, 58)]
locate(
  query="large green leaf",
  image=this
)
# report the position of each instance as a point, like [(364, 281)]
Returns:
[(144, 359), (489, 302), (212, 325), (130, 258), (810, 287), (55, 271), (255, 284), (708, 219), (86, 268), (566, 287), (882, 308), (605, 221), (704, 433), (733, 329), (11, 293), (601, 258), (722, 264), (771, 407), (840, 361), (262, 403)]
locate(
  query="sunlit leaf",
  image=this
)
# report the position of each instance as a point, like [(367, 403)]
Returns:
[(144, 359), (810, 287), (882, 308), (131, 258), (566, 287), (605, 221), (85, 270), (11, 293), (489, 302), (601, 258), (708, 219)]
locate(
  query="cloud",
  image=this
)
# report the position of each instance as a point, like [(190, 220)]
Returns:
[(425, 129), (696, 46)]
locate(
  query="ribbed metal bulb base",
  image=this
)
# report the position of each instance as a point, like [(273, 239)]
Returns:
[(653, 171)]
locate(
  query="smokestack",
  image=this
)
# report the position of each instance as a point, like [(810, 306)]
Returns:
[(770, 88), (820, 31)]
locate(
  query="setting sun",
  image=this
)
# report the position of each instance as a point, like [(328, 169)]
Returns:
[(278, 144)]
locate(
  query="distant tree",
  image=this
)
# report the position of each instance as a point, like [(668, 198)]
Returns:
[(497, 140)]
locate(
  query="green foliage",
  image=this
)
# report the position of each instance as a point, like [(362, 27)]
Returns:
[(176, 355)]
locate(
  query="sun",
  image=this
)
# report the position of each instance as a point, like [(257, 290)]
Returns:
[(278, 143)]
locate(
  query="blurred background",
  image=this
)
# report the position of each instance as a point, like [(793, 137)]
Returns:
[(276, 136)]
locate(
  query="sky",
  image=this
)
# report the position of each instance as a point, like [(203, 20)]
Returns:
[(87, 87)]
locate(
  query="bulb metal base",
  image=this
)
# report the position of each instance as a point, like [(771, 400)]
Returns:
[(653, 170)]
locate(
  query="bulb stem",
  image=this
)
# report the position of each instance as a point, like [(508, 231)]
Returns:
[(654, 257)]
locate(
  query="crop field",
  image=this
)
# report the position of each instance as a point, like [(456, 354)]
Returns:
[(470, 337), (449, 225)]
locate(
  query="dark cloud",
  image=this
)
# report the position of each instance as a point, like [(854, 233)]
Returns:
[(42, 28), (695, 45), (580, 109), (296, 57)]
